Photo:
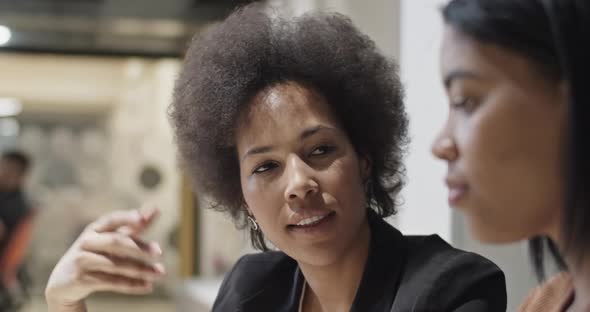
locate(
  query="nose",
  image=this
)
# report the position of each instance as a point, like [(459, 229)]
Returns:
[(301, 184), (444, 146)]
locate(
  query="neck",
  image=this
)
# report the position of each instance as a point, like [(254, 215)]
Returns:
[(346, 272), (580, 273)]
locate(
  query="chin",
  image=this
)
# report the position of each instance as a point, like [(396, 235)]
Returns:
[(319, 257), (488, 234)]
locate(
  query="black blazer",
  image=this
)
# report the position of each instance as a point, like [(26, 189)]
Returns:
[(403, 273)]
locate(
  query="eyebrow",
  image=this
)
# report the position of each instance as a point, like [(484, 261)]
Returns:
[(459, 74), (304, 135)]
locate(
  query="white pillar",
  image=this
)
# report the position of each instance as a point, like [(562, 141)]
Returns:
[(425, 209), (379, 19)]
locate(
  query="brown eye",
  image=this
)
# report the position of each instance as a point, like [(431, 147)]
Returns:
[(264, 168), (322, 150), (465, 104)]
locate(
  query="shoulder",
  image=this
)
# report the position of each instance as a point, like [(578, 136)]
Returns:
[(436, 256), (251, 275), (451, 278)]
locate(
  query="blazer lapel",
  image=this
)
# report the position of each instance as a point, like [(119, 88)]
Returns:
[(383, 270), (282, 293)]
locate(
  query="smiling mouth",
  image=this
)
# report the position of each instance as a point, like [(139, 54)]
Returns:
[(311, 221)]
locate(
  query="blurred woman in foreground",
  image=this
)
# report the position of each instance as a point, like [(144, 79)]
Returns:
[(516, 137)]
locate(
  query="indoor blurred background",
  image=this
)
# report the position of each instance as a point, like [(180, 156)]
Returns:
[(84, 89)]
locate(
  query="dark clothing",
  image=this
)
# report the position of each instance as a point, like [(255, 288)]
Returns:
[(13, 209), (403, 273)]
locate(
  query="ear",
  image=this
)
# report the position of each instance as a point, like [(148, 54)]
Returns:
[(365, 164)]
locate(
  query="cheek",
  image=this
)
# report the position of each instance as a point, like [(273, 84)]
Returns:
[(509, 157), (266, 203), (343, 182), (263, 199), (502, 205)]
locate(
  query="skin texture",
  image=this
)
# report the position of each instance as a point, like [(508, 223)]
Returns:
[(296, 162)]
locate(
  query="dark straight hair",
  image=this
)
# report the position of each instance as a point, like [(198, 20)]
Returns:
[(555, 36)]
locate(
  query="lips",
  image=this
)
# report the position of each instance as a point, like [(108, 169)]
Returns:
[(311, 221), (457, 190)]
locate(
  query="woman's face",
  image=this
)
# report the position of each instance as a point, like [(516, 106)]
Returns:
[(502, 140), (301, 177)]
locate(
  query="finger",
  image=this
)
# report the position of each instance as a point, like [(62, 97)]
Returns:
[(100, 281), (147, 215), (92, 262), (150, 247), (136, 220), (117, 245), (114, 220)]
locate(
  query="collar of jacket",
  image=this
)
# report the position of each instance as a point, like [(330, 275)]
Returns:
[(378, 287)]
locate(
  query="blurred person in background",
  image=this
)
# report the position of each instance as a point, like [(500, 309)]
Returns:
[(294, 127), (16, 226), (516, 138), (14, 207)]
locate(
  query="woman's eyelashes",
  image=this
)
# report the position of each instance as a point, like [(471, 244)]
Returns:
[(317, 152), (264, 167), (322, 150)]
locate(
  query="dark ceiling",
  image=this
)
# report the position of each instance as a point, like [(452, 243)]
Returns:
[(153, 28)]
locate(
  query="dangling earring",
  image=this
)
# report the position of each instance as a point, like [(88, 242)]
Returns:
[(253, 224)]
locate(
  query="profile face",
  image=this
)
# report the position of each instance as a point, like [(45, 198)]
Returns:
[(503, 140), (301, 177)]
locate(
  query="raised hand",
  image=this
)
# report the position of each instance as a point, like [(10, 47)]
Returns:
[(108, 256)]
